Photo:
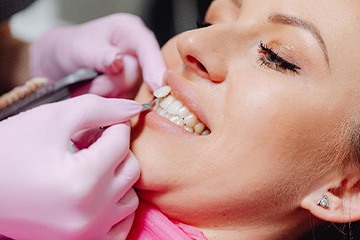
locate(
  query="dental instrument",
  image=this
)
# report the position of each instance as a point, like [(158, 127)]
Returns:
[(38, 91), (147, 106), (43, 92)]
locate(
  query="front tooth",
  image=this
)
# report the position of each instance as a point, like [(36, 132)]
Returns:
[(183, 111), (175, 119), (174, 107), (165, 103), (162, 92), (190, 120)]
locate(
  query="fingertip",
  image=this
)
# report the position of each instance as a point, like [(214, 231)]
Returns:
[(131, 68), (154, 78), (121, 230), (109, 55), (93, 111), (128, 172), (86, 138), (154, 85)]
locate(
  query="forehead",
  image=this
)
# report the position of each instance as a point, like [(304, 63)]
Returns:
[(340, 11), (336, 20)]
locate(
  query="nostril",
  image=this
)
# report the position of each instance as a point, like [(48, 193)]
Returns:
[(196, 63)]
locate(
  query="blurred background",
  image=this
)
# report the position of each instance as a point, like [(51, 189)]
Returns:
[(165, 17)]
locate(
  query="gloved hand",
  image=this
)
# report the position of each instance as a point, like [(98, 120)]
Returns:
[(50, 192), (108, 45)]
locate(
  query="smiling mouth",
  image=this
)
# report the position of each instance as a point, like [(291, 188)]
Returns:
[(169, 107)]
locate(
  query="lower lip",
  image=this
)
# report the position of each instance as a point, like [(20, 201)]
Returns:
[(159, 123)]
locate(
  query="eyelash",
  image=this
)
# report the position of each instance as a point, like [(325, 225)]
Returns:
[(272, 60), (268, 58)]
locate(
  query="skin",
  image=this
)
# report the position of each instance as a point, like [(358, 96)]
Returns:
[(278, 138)]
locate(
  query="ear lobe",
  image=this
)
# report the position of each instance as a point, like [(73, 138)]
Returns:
[(343, 197)]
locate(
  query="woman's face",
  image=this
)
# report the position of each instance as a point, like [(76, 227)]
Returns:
[(275, 82)]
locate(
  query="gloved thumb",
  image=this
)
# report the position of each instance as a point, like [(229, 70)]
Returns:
[(90, 111), (86, 138)]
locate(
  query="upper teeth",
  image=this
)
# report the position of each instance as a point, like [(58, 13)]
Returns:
[(176, 112)]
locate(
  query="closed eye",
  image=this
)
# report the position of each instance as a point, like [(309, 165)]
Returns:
[(272, 60)]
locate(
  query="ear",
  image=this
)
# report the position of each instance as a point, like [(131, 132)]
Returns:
[(343, 196)]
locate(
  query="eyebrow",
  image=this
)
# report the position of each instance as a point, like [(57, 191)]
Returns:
[(298, 22)]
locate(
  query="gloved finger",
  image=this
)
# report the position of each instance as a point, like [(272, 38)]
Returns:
[(139, 41), (121, 229), (90, 111), (101, 86), (124, 214), (147, 50), (128, 82), (108, 151), (86, 138), (152, 64), (126, 174), (100, 57), (127, 205), (117, 84)]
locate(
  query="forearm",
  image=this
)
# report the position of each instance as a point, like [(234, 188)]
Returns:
[(14, 60)]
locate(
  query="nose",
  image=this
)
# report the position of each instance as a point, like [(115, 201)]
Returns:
[(204, 53)]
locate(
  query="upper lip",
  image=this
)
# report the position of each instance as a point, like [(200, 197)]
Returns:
[(187, 95)]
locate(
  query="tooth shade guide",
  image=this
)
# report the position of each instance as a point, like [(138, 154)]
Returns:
[(162, 92), (20, 92)]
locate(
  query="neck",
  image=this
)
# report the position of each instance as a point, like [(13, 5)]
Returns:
[(274, 229)]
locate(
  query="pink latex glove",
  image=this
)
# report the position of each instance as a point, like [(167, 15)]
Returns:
[(108, 45), (49, 191)]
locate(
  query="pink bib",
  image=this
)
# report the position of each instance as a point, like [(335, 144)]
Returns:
[(151, 224)]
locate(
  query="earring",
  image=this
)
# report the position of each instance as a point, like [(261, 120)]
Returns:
[(324, 202)]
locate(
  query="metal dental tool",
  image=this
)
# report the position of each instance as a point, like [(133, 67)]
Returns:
[(159, 94), (147, 106)]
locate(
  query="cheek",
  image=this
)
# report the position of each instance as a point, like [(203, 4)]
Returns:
[(270, 111), (284, 127), (171, 54)]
